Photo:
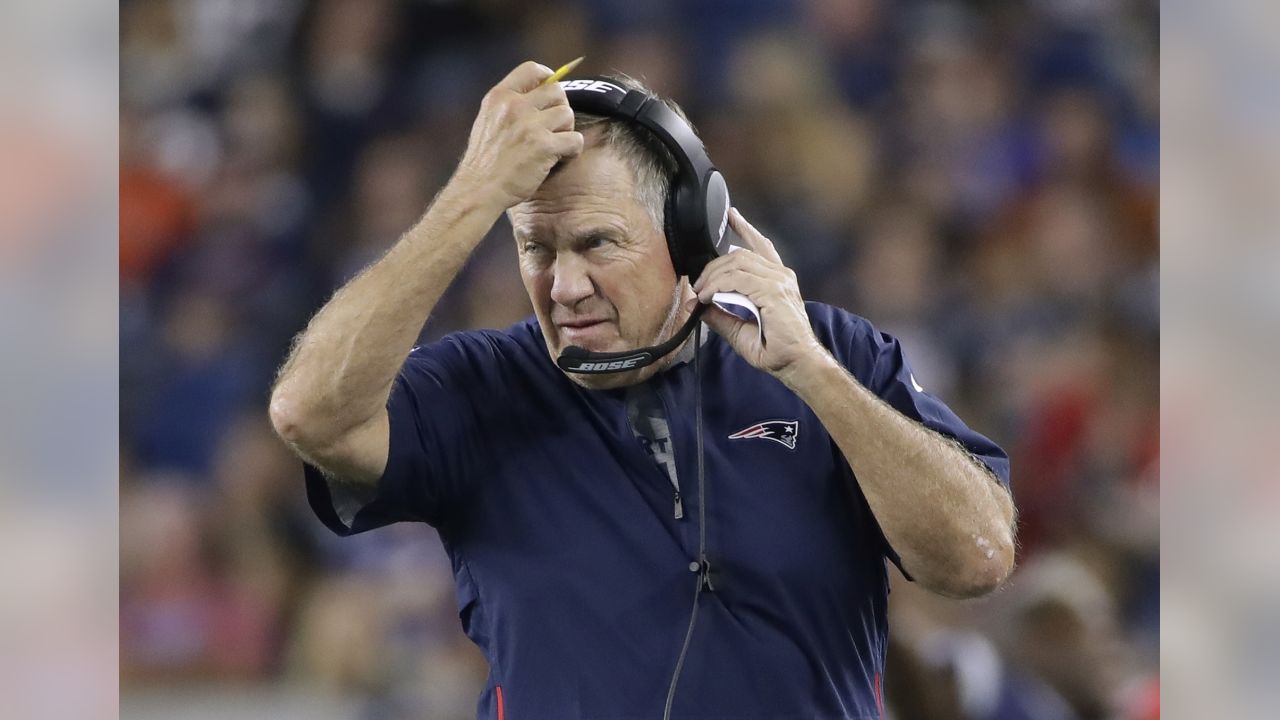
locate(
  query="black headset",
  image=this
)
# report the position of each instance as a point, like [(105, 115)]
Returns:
[(697, 206)]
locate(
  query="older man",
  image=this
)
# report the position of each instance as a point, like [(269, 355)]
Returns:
[(564, 500)]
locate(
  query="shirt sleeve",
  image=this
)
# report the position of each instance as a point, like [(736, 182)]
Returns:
[(894, 382), (433, 447), (877, 360)]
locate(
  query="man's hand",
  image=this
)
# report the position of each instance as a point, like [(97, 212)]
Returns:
[(758, 273), (523, 129)]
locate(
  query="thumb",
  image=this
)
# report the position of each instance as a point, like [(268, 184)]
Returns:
[(526, 76), (725, 324)]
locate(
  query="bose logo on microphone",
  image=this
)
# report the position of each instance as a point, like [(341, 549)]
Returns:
[(609, 366), (592, 85), (614, 365)]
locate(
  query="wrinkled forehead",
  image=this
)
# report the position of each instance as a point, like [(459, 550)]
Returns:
[(596, 188)]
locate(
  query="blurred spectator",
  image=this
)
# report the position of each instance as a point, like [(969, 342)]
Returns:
[(156, 213), (1057, 627), (170, 614), (201, 383)]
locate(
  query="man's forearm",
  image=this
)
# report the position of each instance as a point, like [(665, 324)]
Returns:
[(341, 368), (945, 515)]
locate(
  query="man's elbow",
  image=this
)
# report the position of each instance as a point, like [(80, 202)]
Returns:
[(355, 453), (287, 417), (300, 425), (987, 574), (974, 571), (984, 560)]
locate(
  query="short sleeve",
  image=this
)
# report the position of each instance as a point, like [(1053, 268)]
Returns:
[(894, 382), (433, 448), (878, 361)]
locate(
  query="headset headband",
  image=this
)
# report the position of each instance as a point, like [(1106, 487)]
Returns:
[(599, 96)]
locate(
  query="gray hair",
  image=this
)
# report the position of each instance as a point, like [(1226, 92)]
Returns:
[(652, 163)]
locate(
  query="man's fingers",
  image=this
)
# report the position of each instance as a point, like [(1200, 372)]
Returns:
[(545, 96), (725, 324), (567, 143), (749, 261), (556, 118), (755, 240), (717, 277), (755, 283), (526, 76)]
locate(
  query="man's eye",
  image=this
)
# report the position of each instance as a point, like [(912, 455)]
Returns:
[(597, 241), (533, 248)]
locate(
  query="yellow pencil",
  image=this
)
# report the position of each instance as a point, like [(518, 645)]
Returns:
[(564, 70)]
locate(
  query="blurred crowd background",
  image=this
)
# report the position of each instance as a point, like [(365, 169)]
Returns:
[(979, 178)]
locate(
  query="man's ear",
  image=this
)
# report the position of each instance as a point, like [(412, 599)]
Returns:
[(685, 287)]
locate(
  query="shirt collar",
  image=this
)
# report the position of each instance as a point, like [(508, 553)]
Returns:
[(685, 353)]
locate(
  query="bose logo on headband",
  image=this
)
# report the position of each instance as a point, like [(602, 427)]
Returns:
[(593, 85)]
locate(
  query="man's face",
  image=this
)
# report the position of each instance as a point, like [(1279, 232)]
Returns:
[(595, 263)]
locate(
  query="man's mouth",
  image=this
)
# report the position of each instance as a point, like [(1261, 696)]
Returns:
[(587, 322), (580, 329)]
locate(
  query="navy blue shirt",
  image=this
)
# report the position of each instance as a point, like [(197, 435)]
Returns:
[(572, 571)]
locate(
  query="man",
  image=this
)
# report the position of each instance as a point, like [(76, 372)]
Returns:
[(575, 551)]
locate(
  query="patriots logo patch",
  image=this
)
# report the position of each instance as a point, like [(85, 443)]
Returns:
[(784, 432)]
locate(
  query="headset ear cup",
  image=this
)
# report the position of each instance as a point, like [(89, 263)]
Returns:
[(689, 235), (670, 226)]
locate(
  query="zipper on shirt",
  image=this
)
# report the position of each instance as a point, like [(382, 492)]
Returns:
[(673, 474)]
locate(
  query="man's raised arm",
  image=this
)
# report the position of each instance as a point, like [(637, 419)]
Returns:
[(329, 400), (947, 517)]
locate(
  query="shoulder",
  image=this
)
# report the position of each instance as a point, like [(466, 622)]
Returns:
[(865, 351), (484, 345), (840, 330), (518, 348)]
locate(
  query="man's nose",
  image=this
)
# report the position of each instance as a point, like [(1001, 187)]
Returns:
[(572, 283)]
